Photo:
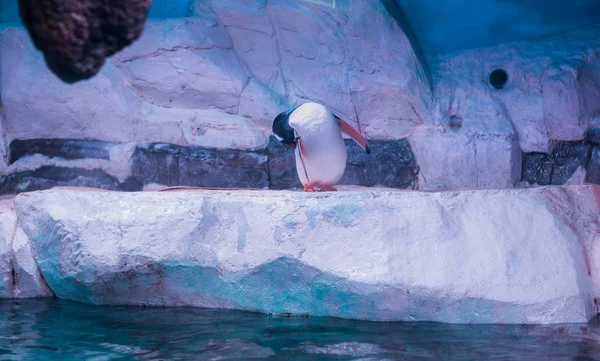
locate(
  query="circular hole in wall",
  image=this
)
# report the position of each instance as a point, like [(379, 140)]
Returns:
[(455, 121), (498, 78)]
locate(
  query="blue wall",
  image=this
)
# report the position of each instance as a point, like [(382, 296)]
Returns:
[(443, 26), (9, 10), (170, 9)]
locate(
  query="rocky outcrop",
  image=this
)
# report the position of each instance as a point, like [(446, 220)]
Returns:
[(560, 166), (19, 273), (568, 163), (214, 75), (39, 164), (492, 256), (76, 36), (219, 77), (547, 93)]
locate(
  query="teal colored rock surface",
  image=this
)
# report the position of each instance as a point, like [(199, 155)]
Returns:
[(492, 256), (19, 273)]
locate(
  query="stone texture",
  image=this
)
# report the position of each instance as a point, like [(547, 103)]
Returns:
[(76, 36), (557, 168), (28, 281), (550, 97), (169, 164), (54, 159), (588, 87), (36, 104), (63, 148), (38, 164), (578, 177), (219, 77), (550, 81), (282, 166), (202, 73), (19, 273), (390, 164), (125, 113), (561, 109), (216, 79), (8, 221), (568, 156), (454, 158), (537, 168), (578, 207), (47, 177), (3, 148), (593, 135), (593, 169), (499, 256)]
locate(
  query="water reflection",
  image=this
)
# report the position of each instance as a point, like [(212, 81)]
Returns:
[(59, 330)]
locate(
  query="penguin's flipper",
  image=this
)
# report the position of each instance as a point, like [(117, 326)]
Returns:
[(354, 134)]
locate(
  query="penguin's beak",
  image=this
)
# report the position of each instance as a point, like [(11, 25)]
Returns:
[(292, 144)]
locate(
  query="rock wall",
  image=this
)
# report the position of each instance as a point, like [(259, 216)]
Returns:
[(453, 25), (213, 78), (19, 273), (487, 256), (219, 78), (550, 97), (44, 163)]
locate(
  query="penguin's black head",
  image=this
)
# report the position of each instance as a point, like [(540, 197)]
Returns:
[(282, 128)]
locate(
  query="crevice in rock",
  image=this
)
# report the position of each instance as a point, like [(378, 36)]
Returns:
[(13, 271), (476, 165), (279, 65), (4, 152), (44, 288), (246, 29), (15, 279), (245, 66), (161, 51), (239, 99), (416, 113), (552, 172), (360, 129)]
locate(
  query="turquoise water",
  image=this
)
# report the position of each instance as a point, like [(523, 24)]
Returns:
[(59, 330)]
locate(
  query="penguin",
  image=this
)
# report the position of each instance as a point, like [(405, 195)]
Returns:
[(315, 133)]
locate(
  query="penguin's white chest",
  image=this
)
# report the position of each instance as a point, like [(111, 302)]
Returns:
[(321, 158), (322, 166)]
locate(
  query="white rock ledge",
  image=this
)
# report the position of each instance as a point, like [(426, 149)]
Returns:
[(488, 256), (19, 273)]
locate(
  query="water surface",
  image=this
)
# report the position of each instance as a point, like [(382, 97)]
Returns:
[(59, 330)]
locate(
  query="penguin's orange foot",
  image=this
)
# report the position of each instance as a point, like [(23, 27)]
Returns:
[(328, 189), (308, 188)]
